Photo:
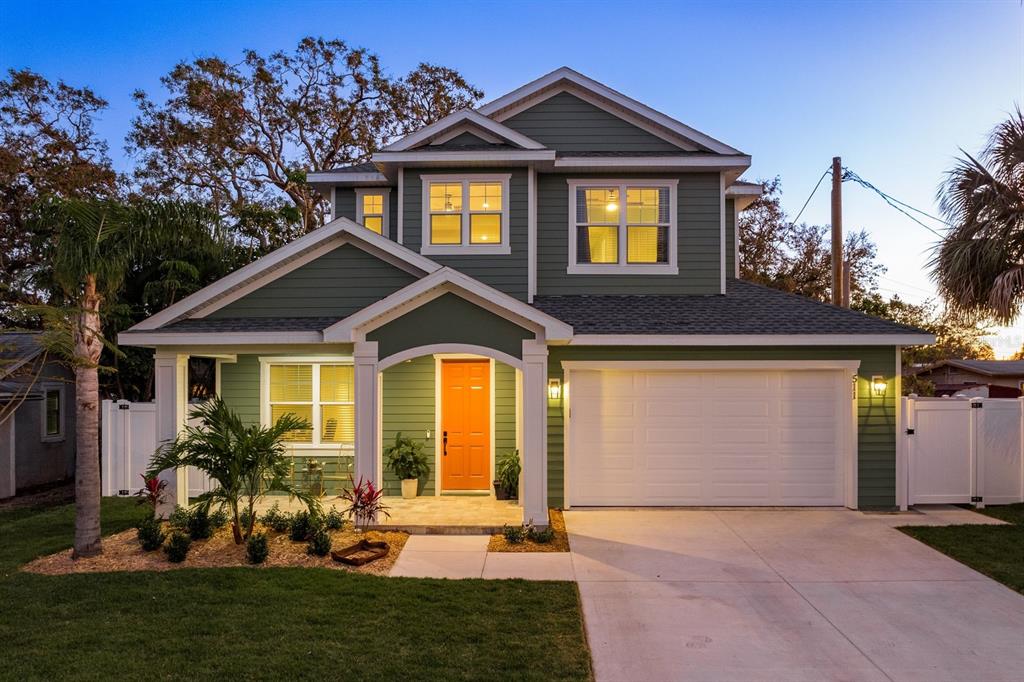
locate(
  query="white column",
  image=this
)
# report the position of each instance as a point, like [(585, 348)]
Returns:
[(366, 384), (171, 386), (535, 433)]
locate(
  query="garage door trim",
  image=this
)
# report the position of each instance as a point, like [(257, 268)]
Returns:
[(848, 430)]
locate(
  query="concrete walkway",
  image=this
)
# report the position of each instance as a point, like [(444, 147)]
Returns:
[(787, 595), (466, 556)]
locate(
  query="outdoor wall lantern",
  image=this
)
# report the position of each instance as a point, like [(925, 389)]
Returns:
[(878, 385), (554, 389)]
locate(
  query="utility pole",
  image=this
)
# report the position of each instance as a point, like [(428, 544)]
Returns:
[(837, 230), (846, 284)]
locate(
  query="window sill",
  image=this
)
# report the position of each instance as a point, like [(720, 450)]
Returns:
[(471, 250), (634, 269), (52, 439)]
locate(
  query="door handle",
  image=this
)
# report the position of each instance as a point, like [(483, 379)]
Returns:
[(444, 443)]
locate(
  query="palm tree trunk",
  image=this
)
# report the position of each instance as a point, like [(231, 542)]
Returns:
[(87, 458)]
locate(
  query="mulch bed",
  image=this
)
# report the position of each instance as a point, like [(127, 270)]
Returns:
[(559, 543), (121, 552)]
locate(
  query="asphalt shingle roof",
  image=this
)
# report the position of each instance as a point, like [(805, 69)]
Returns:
[(989, 367), (745, 309), (250, 324), (17, 348)]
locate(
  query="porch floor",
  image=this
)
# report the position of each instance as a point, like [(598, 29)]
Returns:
[(431, 514)]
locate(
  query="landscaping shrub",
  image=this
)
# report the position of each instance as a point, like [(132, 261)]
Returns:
[(319, 542), (178, 520), (277, 520), (199, 526), (514, 534), (334, 520), (219, 518), (541, 536), (302, 526), (177, 547), (244, 518), (257, 548), (151, 534)]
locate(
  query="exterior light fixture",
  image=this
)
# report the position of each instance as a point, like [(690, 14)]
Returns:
[(878, 385), (554, 389)]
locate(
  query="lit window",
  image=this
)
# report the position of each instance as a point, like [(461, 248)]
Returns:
[(372, 209), (320, 394), (620, 228), (53, 414), (466, 214)]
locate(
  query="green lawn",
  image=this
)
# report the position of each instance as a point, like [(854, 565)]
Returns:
[(271, 623), (996, 551)]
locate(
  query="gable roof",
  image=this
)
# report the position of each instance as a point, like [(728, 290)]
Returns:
[(991, 368), (565, 79), (17, 349), (458, 120), (747, 310), (284, 260)]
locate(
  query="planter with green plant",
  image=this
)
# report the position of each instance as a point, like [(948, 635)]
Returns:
[(406, 460), (506, 471)]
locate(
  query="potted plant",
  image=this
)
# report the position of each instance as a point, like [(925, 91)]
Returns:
[(507, 470), (406, 459)]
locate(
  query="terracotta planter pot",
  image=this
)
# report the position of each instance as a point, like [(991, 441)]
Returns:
[(409, 486)]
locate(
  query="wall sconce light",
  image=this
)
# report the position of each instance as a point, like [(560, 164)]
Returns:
[(878, 385), (554, 389)]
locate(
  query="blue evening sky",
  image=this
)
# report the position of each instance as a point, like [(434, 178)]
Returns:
[(894, 88)]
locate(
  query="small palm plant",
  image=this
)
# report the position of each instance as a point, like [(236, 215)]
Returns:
[(246, 462)]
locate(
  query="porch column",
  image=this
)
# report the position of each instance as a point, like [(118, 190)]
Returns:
[(365, 356), (535, 433), (171, 375)]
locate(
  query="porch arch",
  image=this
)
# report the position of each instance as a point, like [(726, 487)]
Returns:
[(441, 348)]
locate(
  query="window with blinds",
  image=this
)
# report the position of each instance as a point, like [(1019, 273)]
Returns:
[(465, 214), (319, 393), (622, 224)]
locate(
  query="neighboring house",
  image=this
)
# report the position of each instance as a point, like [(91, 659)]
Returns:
[(37, 433), (977, 378), (555, 271)]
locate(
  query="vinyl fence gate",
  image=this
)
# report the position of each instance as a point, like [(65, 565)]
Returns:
[(963, 451)]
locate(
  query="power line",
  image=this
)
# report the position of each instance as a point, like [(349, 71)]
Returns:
[(894, 202), (811, 196)]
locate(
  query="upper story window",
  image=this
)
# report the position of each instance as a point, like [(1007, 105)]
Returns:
[(465, 214), (622, 227), (321, 393), (372, 208)]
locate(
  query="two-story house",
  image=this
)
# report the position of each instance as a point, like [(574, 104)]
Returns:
[(555, 271)]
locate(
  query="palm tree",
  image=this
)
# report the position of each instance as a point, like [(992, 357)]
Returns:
[(979, 265), (91, 245)]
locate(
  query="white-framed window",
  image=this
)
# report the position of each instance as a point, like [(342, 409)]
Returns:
[(320, 391), (464, 214), (372, 208), (623, 227), (52, 411)]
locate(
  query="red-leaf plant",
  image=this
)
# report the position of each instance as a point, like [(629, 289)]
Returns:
[(152, 491), (364, 502)]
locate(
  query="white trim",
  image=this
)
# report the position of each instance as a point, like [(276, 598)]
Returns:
[(534, 455), (717, 365), (335, 229), (62, 414), (465, 248), (499, 108), (708, 162), (465, 127), (334, 203), (325, 177), (316, 361), (721, 221), (434, 285), (751, 339), (449, 349), (428, 133), (901, 437), (531, 234), (623, 267), (432, 157), (400, 219), (385, 192)]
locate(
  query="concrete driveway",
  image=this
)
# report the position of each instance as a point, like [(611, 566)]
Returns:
[(786, 595)]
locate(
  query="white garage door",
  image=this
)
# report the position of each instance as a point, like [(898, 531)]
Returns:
[(723, 437)]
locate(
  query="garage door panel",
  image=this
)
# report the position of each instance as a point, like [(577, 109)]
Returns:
[(706, 437)]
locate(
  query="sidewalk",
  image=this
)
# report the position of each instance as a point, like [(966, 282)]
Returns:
[(466, 556)]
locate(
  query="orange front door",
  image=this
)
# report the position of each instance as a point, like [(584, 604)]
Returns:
[(465, 425)]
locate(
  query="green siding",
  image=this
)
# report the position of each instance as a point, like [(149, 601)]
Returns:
[(408, 406), (345, 202), (336, 284), (699, 243), (568, 124), (240, 387), (504, 407), (449, 319), (506, 273), (730, 238), (876, 417)]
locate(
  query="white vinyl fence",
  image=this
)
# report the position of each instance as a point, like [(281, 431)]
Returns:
[(129, 440), (964, 450)]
